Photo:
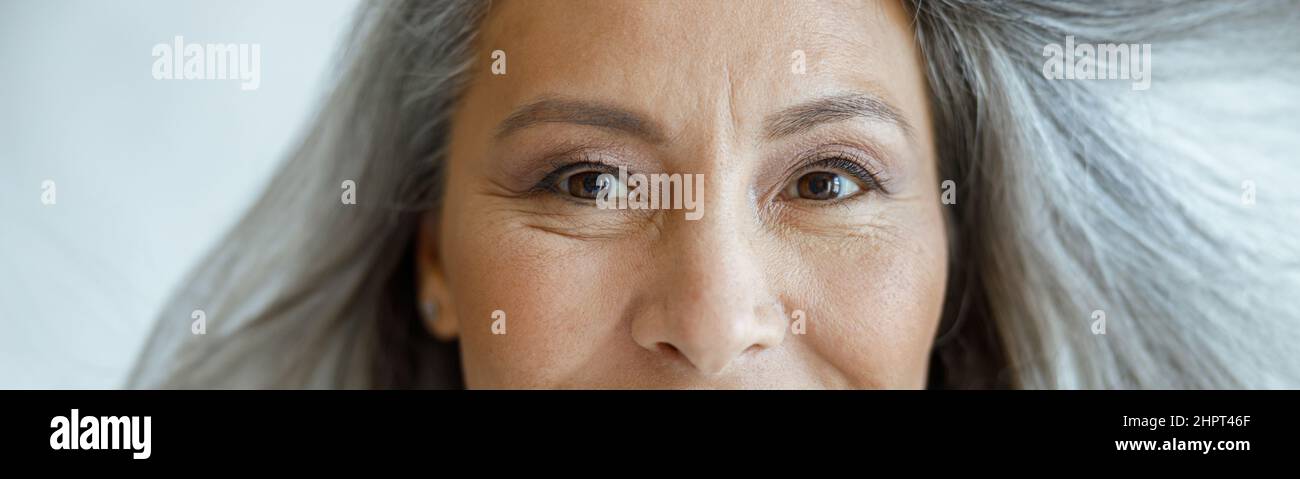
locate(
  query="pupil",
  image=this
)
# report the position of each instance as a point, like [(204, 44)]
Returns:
[(819, 186)]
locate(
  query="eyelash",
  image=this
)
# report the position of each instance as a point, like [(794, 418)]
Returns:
[(550, 183)]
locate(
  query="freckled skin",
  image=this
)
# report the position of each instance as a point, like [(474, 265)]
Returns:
[(604, 299)]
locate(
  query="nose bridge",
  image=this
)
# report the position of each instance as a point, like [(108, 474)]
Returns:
[(715, 304)]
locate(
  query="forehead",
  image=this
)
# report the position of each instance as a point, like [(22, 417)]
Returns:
[(676, 60)]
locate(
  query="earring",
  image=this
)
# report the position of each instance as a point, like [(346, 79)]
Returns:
[(430, 310)]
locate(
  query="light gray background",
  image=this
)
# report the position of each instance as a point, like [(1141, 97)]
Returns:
[(148, 172)]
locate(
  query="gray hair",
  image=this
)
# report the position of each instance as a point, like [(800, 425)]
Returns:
[(1073, 197), (1085, 196)]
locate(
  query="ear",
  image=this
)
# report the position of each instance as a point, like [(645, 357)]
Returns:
[(437, 309)]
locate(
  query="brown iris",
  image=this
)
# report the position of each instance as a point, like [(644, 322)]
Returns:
[(819, 185), (585, 185)]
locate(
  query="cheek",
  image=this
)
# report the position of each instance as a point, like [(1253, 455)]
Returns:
[(546, 286), (875, 301)]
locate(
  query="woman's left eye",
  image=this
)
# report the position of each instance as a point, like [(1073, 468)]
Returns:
[(823, 186)]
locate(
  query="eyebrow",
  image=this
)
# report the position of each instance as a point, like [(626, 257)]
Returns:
[(579, 112), (804, 117)]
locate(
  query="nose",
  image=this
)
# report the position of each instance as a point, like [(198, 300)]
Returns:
[(713, 306)]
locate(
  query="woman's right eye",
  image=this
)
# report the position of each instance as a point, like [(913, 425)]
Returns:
[(584, 184)]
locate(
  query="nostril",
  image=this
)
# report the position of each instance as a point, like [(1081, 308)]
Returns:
[(669, 349)]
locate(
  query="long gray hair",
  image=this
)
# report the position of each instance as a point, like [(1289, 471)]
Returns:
[(1074, 199)]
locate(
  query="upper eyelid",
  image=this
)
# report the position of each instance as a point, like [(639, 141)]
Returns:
[(821, 158), (584, 165)]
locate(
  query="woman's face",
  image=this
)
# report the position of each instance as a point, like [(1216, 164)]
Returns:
[(813, 254)]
